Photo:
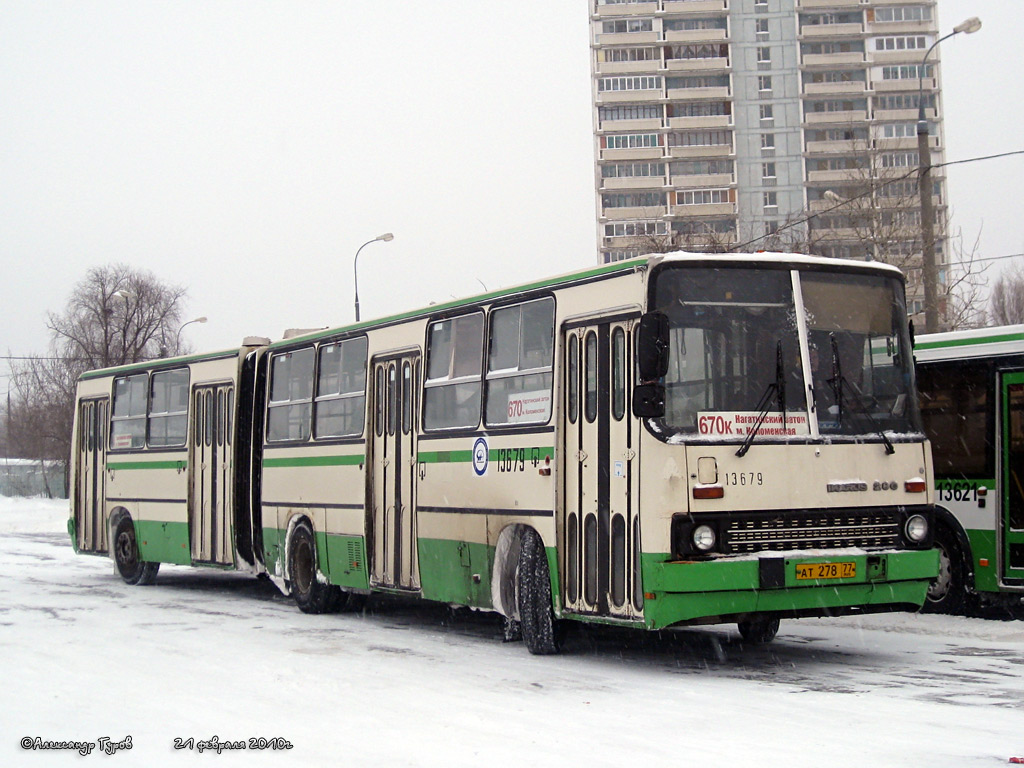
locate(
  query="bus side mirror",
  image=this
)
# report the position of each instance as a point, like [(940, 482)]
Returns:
[(652, 346), (913, 337), (648, 401)]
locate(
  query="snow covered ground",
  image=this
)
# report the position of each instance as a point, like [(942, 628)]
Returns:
[(206, 654)]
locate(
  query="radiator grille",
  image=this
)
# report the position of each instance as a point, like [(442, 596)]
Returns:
[(811, 531)]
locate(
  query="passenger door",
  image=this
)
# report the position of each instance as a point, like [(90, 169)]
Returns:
[(601, 526), (91, 473), (392, 477), (211, 466), (1011, 518)]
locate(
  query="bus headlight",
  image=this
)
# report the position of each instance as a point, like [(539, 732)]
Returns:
[(704, 538), (916, 528)]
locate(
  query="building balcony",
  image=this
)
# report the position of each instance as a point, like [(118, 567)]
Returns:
[(674, 7), (700, 211), (695, 35), (628, 67), (627, 38), (832, 59), (833, 89), (826, 31), (900, 57), (697, 65), (640, 153), (908, 142), (844, 176), (632, 182), (622, 126), (836, 147), (804, 4), (705, 181), (891, 86), (692, 94), (689, 153), (820, 118), (646, 96), (646, 213), (901, 28), (900, 115), (627, 9), (690, 123)]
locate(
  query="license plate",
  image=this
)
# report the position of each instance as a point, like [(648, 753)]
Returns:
[(815, 571)]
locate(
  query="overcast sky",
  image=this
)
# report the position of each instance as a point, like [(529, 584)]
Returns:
[(247, 149)]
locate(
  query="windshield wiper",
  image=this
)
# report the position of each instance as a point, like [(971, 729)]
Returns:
[(776, 388), (837, 384)]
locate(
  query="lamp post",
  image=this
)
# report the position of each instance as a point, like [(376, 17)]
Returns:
[(177, 336), (929, 274), (385, 238)]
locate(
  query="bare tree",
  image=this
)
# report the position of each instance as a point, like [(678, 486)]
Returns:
[(115, 316), (1006, 306)]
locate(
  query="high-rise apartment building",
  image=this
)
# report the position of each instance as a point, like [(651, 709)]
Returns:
[(723, 123)]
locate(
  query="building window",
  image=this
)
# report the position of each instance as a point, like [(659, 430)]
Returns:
[(630, 170), (620, 26), (640, 83), (629, 140), (677, 25), (902, 43), (903, 13), (771, 200), (766, 112), (700, 109), (633, 199), (761, 28), (630, 54), (700, 167), (768, 171), (698, 51), (699, 138), (635, 229), (767, 141), (702, 196), (764, 83), (630, 112), (764, 54), (906, 72)]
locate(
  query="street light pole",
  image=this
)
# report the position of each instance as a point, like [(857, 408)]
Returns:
[(385, 238), (177, 336), (929, 272)]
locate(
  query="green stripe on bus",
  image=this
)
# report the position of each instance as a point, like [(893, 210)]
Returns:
[(179, 464), (315, 461), (969, 342)]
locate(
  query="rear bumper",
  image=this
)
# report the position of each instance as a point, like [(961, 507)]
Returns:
[(692, 592)]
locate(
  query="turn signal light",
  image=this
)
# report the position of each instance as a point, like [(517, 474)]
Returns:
[(708, 492), (915, 486)]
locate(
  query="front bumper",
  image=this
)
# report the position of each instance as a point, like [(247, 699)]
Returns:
[(678, 592)]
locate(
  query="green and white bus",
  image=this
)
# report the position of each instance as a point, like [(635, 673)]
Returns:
[(669, 440), (971, 387)]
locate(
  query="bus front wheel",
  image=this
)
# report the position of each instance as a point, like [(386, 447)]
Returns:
[(947, 594), (126, 556), (759, 630)]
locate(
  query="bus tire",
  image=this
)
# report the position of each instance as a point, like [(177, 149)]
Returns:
[(309, 593), (126, 556), (533, 596), (948, 593), (759, 630)]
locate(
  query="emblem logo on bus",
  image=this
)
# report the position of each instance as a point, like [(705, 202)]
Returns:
[(480, 456)]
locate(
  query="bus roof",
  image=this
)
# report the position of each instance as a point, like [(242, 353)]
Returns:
[(977, 342)]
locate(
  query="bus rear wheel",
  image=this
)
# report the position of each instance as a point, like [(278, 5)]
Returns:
[(126, 556), (533, 597), (309, 593), (759, 630)]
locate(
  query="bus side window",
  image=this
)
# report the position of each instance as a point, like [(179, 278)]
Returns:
[(520, 363), (291, 395)]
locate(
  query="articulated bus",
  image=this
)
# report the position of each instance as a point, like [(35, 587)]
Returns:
[(668, 440), (971, 387)]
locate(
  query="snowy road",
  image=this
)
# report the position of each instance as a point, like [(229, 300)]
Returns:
[(208, 654)]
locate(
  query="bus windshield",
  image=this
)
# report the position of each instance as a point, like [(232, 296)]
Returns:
[(735, 351)]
